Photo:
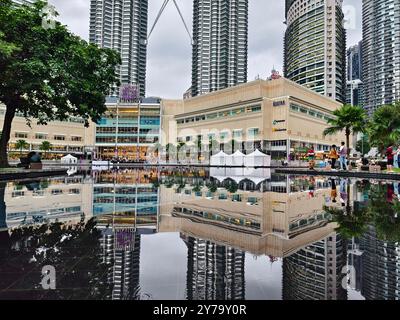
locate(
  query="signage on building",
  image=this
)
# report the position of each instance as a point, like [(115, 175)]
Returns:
[(279, 103), (275, 122), (128, 93)]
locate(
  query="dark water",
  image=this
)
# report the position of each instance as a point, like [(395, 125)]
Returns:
[(146, 234)]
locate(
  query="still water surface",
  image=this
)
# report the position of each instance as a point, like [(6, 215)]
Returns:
[(180, 234)]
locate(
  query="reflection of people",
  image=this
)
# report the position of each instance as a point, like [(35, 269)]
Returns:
[(333, 191), (343, 192), (311, 187), (390, 192)]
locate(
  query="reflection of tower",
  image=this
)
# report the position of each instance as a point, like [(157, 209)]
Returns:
[(3, 214), (315, 272), (121, 251), (214, 272), (380, 274)]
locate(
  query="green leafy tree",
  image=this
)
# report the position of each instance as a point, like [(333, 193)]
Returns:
[(45, 146), (48, 73), (21, 145), (384, 127), (350, 119)]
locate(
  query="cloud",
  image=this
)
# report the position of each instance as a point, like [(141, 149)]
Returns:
[(169, 50)]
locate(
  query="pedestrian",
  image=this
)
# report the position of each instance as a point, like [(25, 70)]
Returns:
[(390, 158), (311, 158), (333, 156), (396, 157), (343, 156)]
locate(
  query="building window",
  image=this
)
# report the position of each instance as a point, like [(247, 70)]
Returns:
[(59, 138), (253, 132), (237, 133), (41, 136), (22, 135), (76, 139)]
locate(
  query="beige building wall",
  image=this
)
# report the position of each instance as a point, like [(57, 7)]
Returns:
[(276, 120), (76, 136)]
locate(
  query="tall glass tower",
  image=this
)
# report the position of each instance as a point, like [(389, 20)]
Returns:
[(315, 46), (381, 56), (220, 33), (122, 25)]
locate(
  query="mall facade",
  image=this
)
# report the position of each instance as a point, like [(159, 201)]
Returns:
[(278, 117), (128, 130)]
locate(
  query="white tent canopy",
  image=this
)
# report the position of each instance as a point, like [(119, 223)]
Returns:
[(238, 158), (219, 159), (257, 159), (69, 159)]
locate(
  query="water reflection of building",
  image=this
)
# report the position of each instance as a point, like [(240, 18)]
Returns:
[(263, 223), (65, 199), (214, 272), (315, 271), (126, 205), (121, 252), (381, 269), (129, 197)]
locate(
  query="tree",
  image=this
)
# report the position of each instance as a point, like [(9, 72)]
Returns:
[(350, 119), (48, 73), (45, 146), (20, 145), (384, 127), (363, 145)]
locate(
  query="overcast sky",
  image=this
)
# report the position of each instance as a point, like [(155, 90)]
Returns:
[(169, 48)]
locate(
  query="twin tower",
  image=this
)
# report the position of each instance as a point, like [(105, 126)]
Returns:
[(220, 33)]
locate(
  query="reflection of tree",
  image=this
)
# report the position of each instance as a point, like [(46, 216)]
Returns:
[(353, 220), (385, 214), (74, 252)]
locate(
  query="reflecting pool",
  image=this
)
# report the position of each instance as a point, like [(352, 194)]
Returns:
[(204, 235)]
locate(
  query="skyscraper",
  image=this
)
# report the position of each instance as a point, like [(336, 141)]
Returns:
[(122, 25), (23, 1), (355, 89), (381, 56), (315, 46), (220, 33), (315, 271), (214, 272)]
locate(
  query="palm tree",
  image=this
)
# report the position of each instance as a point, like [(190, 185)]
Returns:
[(384, 128), (20, 145), (350, 119), (169, 149), (45, 146)]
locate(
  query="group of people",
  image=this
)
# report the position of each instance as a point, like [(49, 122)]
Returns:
[(334, 155)]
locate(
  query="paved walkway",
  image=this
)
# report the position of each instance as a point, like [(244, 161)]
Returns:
[(347, 174), (7, 174)]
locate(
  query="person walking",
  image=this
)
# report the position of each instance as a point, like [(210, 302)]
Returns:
[(396, 157), (343, 156), (333, 156), (311, 158), (390, 158)]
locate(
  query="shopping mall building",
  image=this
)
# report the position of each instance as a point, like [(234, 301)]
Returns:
[(278, 117)]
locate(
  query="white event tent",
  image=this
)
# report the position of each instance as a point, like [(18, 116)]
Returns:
[(69, 159), (257, 159)]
